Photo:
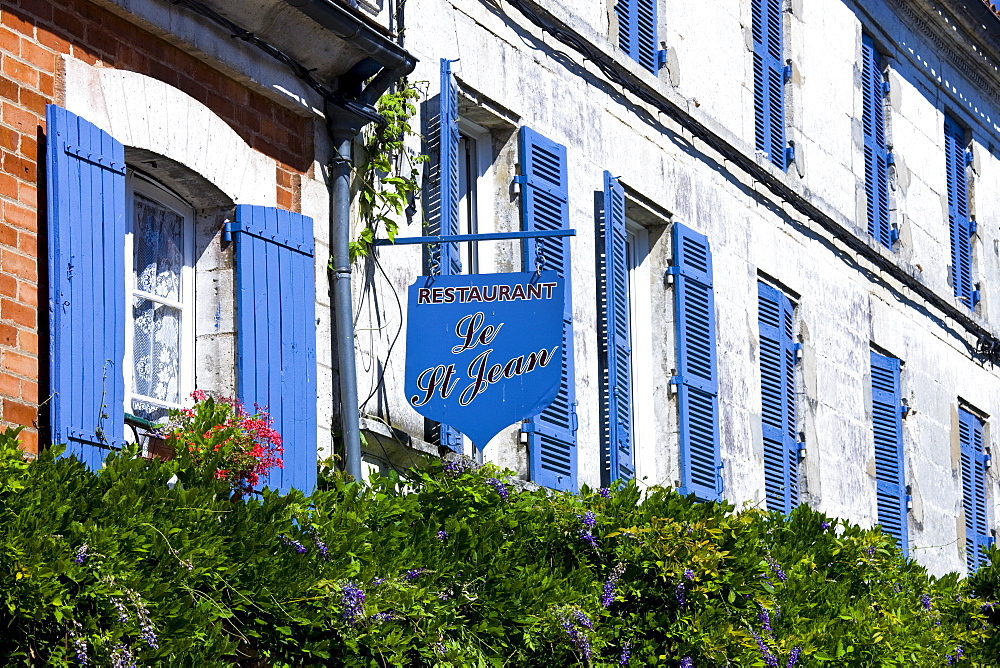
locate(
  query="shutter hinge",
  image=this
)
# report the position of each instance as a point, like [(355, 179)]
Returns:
[(973, 226), (661, 58), (521, 179), (968, 157), (904, 409), (786, 73), (893, 235), (800, 448), (886, 87), (227, 231), (909, 502), (890, 158), (987, 461), (976, 296), (797, 351), (722, 483), (790, 154)]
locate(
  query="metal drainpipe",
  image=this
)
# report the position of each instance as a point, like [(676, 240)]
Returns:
[(343, 127)]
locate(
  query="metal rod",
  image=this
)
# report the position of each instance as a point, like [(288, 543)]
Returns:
[(487, 236)]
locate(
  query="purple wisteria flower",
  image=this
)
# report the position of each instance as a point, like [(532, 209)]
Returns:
[(320, 545), (386, 616), (457, 467), (825, 526), (688, 574), (294, 544), (793, 658), (588, 538), (120, 608), (378, 582), (121, 657), (604, 492), (608, 595), (896, 587), (413, 574), (146, 631), (770, 660), (352, 598), (499, 487), (765, 619), (442, 535), (776, 569), (686, 662), (440, 648), (582, 619), (81, 554), (576, 636), (870, 551), (589, 519), (626, 654), (925, 601), (79, 644), (679, 596)]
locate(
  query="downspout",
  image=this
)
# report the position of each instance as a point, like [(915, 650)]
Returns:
[(345, 117)]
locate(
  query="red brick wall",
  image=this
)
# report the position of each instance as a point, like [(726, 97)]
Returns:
[(32, 34)]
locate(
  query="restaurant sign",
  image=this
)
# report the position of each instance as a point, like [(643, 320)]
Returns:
[(484, 351)]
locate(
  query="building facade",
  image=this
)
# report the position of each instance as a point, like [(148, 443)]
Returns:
[(784, 273), (783, 287)]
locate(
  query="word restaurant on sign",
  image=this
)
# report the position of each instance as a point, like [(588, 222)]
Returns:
[(487, 293)]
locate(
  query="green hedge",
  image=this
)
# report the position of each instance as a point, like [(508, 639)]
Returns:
[(451, 567)]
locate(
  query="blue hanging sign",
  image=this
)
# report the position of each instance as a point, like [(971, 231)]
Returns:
[(484, 351)]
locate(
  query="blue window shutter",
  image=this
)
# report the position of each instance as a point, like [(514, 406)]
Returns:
[(697, 381), (775, 317), (450, 261), (85, 171), (637, 30), (545, 206), (876, 152), (615, 329), (887, 425), (958, 210), (769, 80), (276, 332), (977, 537)]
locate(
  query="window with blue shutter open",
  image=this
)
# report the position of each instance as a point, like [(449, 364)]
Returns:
[(875, 149), (959, 225), (887, 427), (616, 345), (85, 175), (276, 332), (637, 30), (697, 379), (974, 459), (775, 319), (769, 75), (544, 205)]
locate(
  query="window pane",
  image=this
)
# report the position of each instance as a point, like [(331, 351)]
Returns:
[(159, 255), (156, 350)]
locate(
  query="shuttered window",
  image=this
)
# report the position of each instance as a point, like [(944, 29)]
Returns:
[(974, 459), (85, 180), (276, 332), (959, 226), (887, 426), (876, 152), (769, 81), (775, 318), (697, 379), (449, 261), (544, 206), (616, 346), (637, 30)]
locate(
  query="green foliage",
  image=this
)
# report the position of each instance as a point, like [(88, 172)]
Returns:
[(387, 179), (457, 568)]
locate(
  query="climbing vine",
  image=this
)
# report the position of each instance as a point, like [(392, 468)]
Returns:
[(387, 178)]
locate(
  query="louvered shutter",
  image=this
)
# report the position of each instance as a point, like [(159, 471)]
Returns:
[(977, 537), (617, 427), (876, 152), (769, 80), (450, 260), (697, 381), (545, 206), (276, 332), (887, 425), (958, 211), (637, 30), (775, 317), (85, 175)]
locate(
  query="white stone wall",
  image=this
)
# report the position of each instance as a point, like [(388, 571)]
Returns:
[(845, 303)]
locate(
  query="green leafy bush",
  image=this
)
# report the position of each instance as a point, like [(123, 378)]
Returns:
[(450, 566)]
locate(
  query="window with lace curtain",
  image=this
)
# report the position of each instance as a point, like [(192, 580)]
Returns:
[(159, 279)]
